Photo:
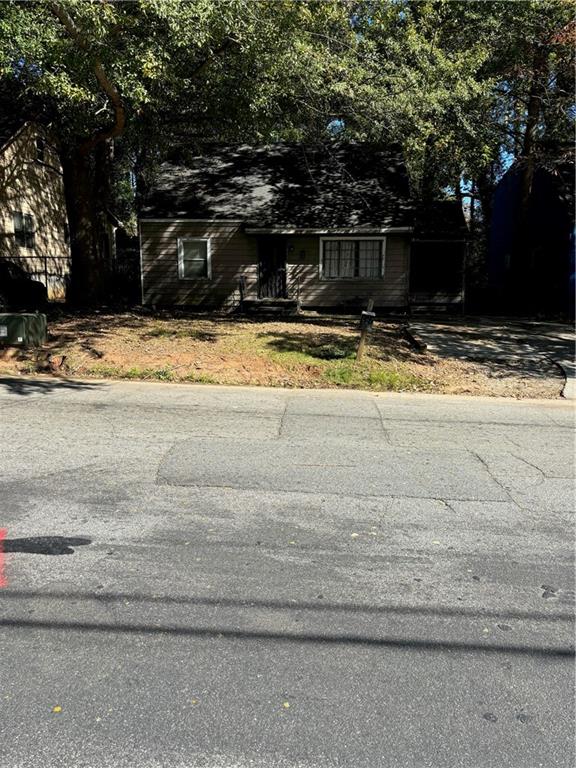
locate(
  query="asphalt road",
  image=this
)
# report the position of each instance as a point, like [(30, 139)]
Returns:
[(222, 578)]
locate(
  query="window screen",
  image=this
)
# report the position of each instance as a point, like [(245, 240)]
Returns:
[(193, 260), (24, 229), (345, 259)]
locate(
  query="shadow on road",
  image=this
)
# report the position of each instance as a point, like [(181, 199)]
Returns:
[(286, 637), (25, 387), (44, 545), (295, 637), (278, 605)]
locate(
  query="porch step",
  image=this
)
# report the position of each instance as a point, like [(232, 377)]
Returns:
[(270, 306)]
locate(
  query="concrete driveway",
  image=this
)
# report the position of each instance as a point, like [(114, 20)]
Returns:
[(210, 577), (519, 346)]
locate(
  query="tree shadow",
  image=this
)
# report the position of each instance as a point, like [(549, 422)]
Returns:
[(327, 184), (323, 346), (174, 332), (505, 348), (384, 341), (26, 387), (44, 545)]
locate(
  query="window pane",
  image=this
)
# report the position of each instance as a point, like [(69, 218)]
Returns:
[(28, 230), (369, 258), (347, 258), (194, 249), (195, 269), (23, 229), (194, 258), (40, 149), (330, 256), (28, 222)]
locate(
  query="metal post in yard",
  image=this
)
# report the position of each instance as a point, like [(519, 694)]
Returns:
[(366, 320)]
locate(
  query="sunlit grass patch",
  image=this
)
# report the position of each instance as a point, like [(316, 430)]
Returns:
[(371, 375)]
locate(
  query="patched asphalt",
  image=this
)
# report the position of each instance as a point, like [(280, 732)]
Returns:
[(221, 577)]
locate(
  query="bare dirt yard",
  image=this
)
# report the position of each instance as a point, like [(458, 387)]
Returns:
[(309, 351)]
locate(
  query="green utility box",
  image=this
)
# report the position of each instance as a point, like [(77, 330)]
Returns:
[(22, 329)]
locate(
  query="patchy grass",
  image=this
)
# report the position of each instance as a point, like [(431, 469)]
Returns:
[(308, 351), (117, 372), (163, 332), (368, 375)]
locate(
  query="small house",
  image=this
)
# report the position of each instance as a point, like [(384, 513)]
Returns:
[(321, 227)]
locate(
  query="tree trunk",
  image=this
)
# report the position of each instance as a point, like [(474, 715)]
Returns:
[(87, 171), (87, 229), (428, 184), (522, 268), (485, 187)]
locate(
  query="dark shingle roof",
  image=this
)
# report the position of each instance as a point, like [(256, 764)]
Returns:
[(281, 185)]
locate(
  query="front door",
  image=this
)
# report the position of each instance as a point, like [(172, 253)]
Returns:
[(272, 268)]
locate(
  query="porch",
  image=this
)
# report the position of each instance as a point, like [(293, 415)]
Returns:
[(274, 292)]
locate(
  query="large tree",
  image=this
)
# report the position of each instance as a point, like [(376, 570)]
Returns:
[(465, 87), (122, 82)]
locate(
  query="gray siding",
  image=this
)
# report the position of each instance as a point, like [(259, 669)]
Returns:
[(389, 291), (235, 255)]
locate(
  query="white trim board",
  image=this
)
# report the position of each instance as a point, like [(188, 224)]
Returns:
[(357, 234)]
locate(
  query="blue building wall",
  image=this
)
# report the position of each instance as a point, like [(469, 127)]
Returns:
[(534, 278)]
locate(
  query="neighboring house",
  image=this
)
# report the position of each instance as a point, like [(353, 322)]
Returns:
[(539, 276), (33, 222), (327, 226)]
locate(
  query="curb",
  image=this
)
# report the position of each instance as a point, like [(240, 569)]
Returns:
[(569, 388)]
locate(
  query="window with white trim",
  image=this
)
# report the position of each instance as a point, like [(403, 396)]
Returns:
[(24, 232), (352, 259), (194, 258)]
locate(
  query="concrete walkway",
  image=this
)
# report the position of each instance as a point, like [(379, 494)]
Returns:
[(521, 345)]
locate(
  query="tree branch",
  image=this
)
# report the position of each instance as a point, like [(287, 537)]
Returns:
[(104, 82)]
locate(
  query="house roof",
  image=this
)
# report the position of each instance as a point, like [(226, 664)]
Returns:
[(355, 187)]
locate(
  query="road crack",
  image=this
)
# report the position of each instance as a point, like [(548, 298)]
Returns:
[(492, 476)]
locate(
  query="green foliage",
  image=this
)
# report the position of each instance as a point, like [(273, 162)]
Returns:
[(447, 78), (461, 85), (450, 80)]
